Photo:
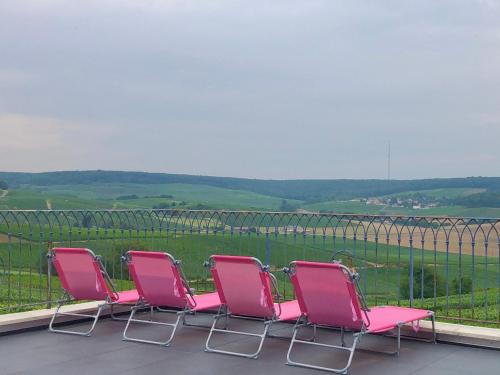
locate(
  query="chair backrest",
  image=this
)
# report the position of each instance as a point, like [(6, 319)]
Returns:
[(157, 278), (81, 274), (327, 294), (243, 285)]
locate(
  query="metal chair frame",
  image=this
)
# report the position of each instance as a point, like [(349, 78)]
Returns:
[(94, 318), (181, 314), (227, 314), (354, 277)]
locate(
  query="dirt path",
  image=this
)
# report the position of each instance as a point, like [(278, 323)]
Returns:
[(428, 237), (440, 238)]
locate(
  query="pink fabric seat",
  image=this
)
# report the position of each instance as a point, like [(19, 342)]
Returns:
[(207, 301), (160, 284), (384, 318), (328, 296), (245, 289), (127, 296), (243, 286), (83, 277), (290, 310)]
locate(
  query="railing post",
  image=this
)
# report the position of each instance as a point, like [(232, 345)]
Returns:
[(411, 271), (268, 249), (49, 282)]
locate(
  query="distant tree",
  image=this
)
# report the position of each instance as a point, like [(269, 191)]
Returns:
[(487, 199), (286, 207), (200, 206), (431, 281), (127, 197), (162, 206), (461, 285)]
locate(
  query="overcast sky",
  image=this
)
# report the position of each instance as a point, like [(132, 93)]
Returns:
[(270, 89)]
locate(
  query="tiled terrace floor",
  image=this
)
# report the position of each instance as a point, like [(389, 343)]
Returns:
[(41, 352)]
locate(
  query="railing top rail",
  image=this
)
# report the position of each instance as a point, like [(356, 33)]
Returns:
[(302, 214)]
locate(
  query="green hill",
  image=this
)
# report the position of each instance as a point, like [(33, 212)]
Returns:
[(121, 196), (23, 199), (306, 190), (473, 196)]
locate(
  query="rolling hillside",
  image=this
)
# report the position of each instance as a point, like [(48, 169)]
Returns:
[(306, 190), (472, 197), (122, 196)]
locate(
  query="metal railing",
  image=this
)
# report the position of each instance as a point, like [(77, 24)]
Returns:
[(450, 265)]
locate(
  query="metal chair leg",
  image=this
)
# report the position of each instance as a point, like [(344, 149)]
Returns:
[(95, 318), (238, 354), (433, 320), (343, 370), (131, 319), (114, 317)]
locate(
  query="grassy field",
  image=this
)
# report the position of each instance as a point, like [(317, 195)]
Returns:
[(24, 199), (383, 268), (354, 207), (104, 197), (439, 193), (111, 195), (212, 197)]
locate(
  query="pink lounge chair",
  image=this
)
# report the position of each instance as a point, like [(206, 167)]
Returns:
[(84, 278), (160, 283), (328, 297), (245, 288)]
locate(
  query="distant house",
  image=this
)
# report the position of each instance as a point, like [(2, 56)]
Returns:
[(376, 201)]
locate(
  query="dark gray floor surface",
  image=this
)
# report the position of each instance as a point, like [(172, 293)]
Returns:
[(41, 352)]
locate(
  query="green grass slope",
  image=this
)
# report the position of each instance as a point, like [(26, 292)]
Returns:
[(353, 207), (107, 196), (449, 193), (23, 199), (310, 190)]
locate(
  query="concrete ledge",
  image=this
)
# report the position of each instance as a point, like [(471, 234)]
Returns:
[(446, 332), (39, 319), (463, 334)]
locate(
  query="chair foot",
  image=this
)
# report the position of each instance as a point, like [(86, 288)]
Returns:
[(253, 355), (131, 319), (87, 333), (343, 370)]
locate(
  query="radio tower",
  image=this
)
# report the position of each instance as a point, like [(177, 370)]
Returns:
[(389, 161)]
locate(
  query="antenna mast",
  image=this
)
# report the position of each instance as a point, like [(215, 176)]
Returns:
[(389, 161)]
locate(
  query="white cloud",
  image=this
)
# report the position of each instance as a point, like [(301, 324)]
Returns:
[(21, 133), (211, 86), (36, 143), (14, 77)]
